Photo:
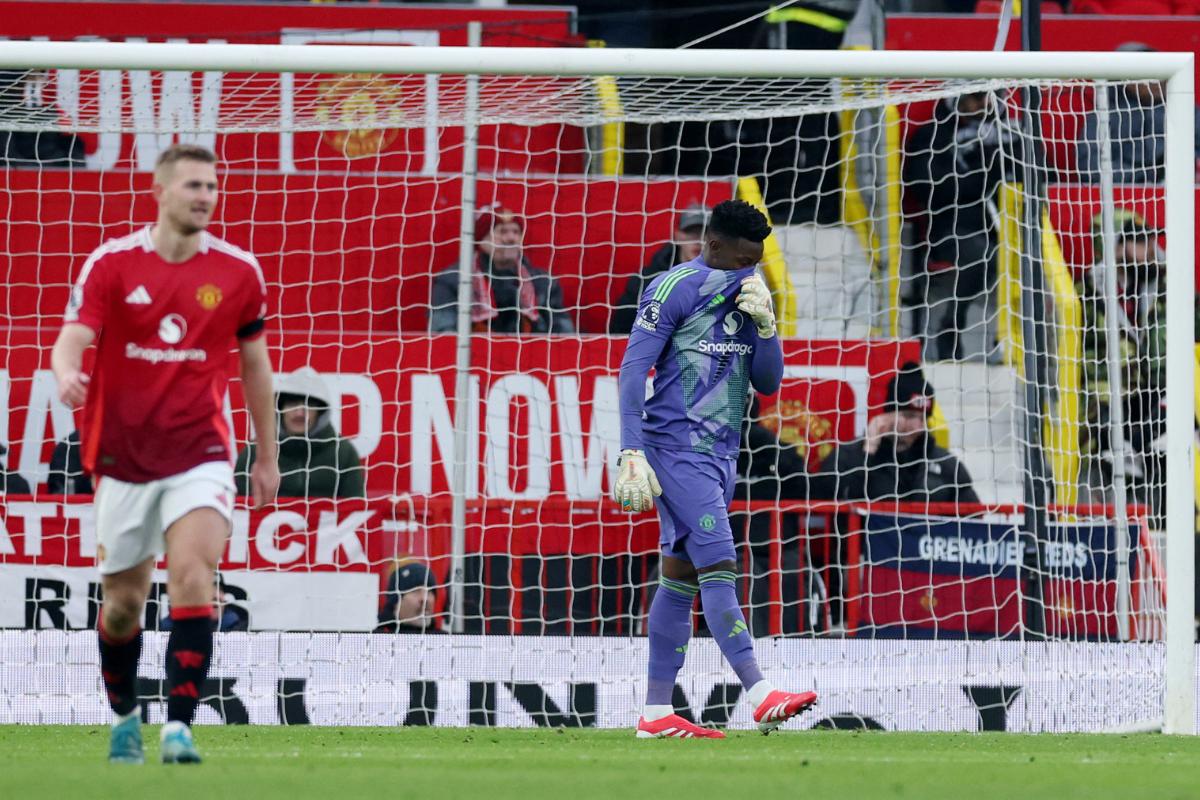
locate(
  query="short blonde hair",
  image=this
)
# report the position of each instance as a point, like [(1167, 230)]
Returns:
[(168, 158)]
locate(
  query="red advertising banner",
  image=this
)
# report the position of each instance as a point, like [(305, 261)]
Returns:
[(346, 252), (387, 124), (543, 415)]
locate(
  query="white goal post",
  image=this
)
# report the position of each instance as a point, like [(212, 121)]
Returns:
[(1175, 69)]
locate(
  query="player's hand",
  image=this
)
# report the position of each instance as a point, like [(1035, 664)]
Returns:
[(881, 425), (755, 300), (72, 388), (264, 481), (636, 485)]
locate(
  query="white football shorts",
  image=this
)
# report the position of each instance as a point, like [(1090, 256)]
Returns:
[(132, 518)]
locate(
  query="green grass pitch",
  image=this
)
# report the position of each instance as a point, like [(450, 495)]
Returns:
[(259, 763)]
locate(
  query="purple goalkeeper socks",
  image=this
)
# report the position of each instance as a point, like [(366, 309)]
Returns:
[(718, 596), (669, 628)]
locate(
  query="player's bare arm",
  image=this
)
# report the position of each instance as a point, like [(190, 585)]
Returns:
[(260, 400), (66, 359)]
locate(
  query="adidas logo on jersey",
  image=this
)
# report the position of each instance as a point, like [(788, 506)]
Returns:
[(139, 297)]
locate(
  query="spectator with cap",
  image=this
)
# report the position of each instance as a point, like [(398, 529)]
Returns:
[(407, 604), (897, 460), (10, 482), (1137, 123), (684, 246), (508, 294), (313, 460)]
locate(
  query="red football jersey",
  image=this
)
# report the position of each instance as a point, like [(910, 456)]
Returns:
[(165, 332)]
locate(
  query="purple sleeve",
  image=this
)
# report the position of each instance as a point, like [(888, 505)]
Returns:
[(766, 366), (640, 355), (651, 333)]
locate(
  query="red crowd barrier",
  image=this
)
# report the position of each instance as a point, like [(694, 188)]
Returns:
[(527, 551)]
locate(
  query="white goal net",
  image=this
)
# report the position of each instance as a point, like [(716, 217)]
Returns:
[(953, 515)]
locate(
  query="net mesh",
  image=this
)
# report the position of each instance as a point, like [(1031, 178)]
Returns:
[(887, 555)]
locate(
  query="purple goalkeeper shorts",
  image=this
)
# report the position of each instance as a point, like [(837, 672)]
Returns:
[(693, 511)]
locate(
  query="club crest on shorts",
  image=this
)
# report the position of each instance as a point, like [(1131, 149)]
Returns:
[(708, 522), (732, 323), (648, 319)]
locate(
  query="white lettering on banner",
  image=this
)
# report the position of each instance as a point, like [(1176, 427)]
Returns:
[(7, 548), (171, 107), (583, 476), (1097, 686), (1067, 554), (333, 536), (536, 438), (264, 537), (32, 515), (108, 114), (280, 601), (429, 420), (43, 402), (957, 550), (584, 464), (369, 400), (176, 110), (239, 537), (86, 514), (336, 540)]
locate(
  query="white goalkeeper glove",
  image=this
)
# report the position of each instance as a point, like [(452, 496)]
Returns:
[(636, 485), (755, 301)]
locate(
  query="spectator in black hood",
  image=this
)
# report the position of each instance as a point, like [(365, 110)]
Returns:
[(10, 482), (66, 469), (897, 460), (313, 460)]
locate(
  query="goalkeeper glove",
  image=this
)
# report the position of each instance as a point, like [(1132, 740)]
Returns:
[(755, 301), (636, 485)]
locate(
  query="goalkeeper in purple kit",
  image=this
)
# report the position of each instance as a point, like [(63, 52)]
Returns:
[(707, 328)]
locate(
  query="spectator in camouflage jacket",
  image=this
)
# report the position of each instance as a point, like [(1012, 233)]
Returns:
[(1141, 328)]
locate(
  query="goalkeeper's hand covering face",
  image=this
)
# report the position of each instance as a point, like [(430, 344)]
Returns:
[(754, 300)]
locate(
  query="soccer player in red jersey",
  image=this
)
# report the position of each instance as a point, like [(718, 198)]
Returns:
[(165, 306)]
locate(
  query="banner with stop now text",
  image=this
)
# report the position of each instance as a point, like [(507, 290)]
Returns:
[(542, 415)]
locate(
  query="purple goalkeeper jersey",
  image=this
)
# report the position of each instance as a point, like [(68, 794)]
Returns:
[(706, 354)]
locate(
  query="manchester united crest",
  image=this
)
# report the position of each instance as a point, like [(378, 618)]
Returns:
[(366, 108), (209, 296)]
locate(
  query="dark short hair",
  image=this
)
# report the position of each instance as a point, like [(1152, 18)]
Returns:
[(737, 219), (184, 152)]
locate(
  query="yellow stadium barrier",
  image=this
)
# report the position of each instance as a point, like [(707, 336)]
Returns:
[(1060, 432), (612, 134)]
